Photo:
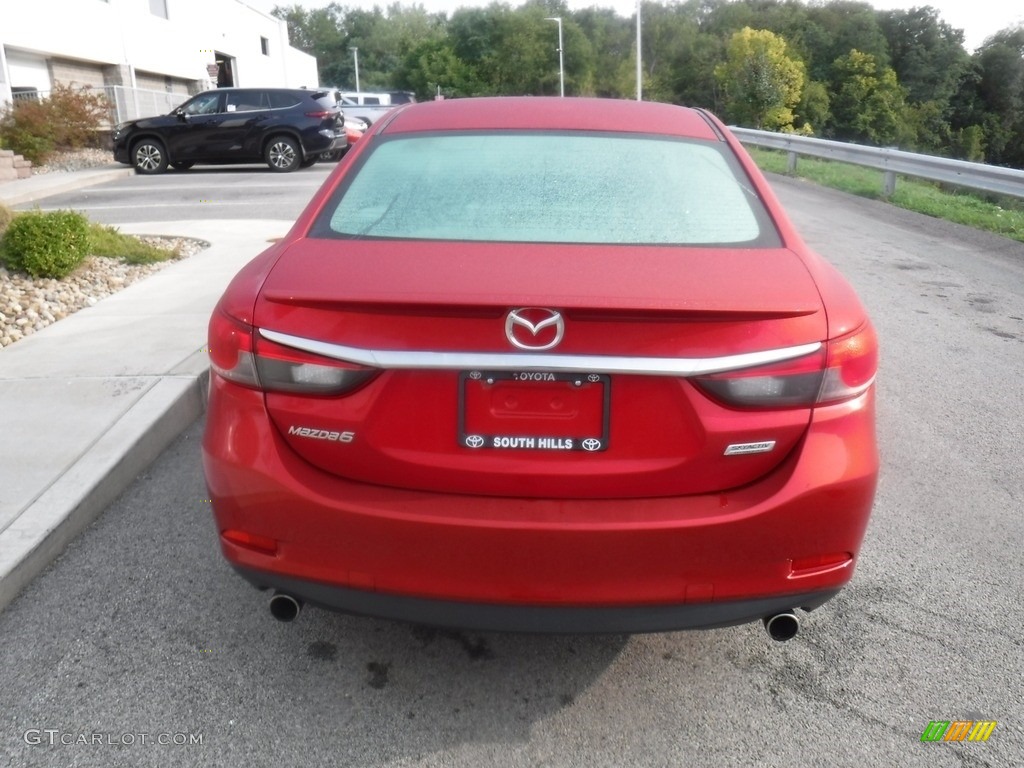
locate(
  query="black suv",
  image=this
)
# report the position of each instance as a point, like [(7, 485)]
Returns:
[(283, 127)]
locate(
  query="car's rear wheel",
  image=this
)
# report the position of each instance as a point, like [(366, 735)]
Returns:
[(149, 156), (182, 165), (283, 154)]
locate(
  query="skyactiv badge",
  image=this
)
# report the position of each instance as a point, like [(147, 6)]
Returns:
[(958, 730)]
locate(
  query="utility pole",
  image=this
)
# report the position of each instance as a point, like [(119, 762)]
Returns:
[(639, 67), (561, 56), (355, 55)]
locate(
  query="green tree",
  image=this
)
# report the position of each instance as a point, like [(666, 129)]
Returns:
[(835, 28), (670, 35), (868, 102), (1000, 88), (926, 128), (610, 41), (761, 82), (433, 68), (927, 54), (510, 50), (398, 32), (320, 33), (968, 143), (930, 62), (813, 109), (866, 75)]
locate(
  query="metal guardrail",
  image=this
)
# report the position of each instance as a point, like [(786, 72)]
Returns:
[(988, 178)]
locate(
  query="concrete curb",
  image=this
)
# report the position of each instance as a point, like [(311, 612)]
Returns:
[(38, 187), (98, 477)]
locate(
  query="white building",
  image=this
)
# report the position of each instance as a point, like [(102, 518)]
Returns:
[(148, 55)]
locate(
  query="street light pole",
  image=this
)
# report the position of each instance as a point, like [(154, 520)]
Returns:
[(561, 56), (639, 67), (355, 55)]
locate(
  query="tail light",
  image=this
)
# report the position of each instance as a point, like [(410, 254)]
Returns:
[(321, 115), (240, 356), (842, 369)]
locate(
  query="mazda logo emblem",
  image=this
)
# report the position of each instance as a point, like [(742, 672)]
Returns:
[(534, 329)]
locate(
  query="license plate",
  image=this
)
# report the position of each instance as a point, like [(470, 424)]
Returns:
[(534, 411)]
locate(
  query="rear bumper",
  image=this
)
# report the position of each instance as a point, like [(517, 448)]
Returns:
[(324, 141), (483, 617), (633, 565)]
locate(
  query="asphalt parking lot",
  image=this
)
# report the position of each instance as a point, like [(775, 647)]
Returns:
[(140, 633)]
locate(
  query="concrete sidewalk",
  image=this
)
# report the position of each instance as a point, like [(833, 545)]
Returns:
[(88, 402)]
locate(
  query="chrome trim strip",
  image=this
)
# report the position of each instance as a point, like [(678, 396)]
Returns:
[(497, 361)]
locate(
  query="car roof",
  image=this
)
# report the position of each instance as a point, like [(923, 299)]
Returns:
[(554, 113), (234, 88)]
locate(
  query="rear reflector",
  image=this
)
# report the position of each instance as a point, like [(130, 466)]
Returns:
[(262, 544), (818, 564)]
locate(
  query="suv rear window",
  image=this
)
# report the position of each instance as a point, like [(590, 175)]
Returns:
[(327, 101), (280, 100), (549, 187)]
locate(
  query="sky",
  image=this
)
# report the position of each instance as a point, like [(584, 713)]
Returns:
[(978, 18)]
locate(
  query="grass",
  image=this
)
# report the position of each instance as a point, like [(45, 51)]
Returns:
[(991, 213), (108, 242)]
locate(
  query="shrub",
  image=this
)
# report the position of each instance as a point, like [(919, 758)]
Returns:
[(6, 214), (76, 115), (69, 119), (50, 244), (35, 148)]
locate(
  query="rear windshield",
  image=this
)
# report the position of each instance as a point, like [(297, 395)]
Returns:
[(326, 100), (549, 188)]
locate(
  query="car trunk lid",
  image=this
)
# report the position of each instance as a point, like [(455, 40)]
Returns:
[(435, 315)]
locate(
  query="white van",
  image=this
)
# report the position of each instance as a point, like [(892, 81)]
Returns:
[(364, 99)]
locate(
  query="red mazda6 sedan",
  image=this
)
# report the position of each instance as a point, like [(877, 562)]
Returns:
[(557, 365)]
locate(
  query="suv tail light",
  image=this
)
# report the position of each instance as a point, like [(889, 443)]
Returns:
[(842, 369), (238, 355)]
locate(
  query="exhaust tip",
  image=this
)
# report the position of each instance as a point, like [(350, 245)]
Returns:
[(782, 626), (284, 607)]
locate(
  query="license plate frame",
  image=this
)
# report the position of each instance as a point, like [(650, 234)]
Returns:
[(585, 432)]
